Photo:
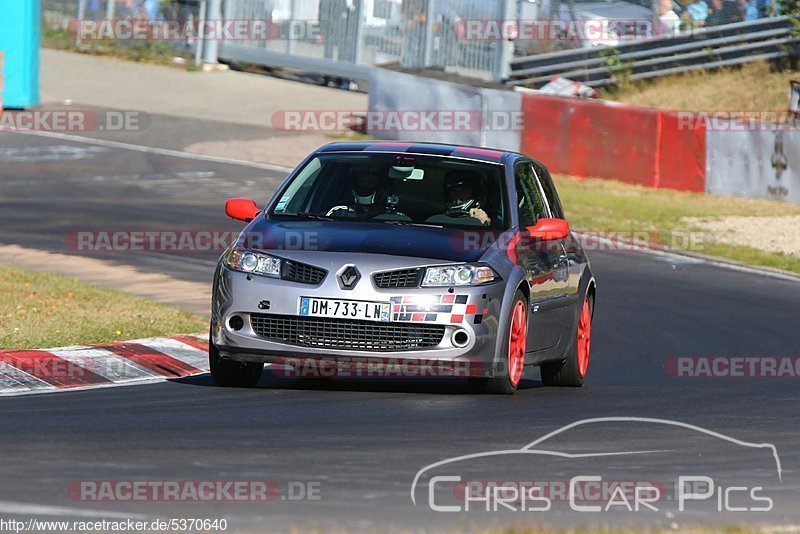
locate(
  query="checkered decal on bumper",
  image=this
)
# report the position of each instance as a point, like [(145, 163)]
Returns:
[(439, 309)]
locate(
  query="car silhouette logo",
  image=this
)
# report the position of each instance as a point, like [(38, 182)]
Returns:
[(349, 277)]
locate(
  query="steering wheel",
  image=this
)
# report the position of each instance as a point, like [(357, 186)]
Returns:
[(337, 209), (457, 213)]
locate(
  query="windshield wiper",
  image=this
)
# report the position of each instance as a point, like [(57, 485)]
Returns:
[(304, 215), (407, 223)]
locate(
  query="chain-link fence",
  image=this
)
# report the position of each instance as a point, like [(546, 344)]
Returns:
[(344, 37), (413, 33)]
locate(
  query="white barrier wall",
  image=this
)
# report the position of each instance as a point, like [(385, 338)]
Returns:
[(744, 159), (755, 164), (493, 111), (503, 119)]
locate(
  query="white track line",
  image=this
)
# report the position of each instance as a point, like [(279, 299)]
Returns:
[(683, 257), (152, 150), (22, 508)]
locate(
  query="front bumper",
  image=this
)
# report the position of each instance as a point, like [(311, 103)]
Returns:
[(467, 317)]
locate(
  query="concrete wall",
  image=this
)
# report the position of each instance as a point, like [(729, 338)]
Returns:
[(755, 164), (396, 91)]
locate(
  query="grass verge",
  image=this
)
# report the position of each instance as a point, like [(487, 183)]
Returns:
[(718, 529), (141, 51), (40, 310), (609, 206), (755, 86)]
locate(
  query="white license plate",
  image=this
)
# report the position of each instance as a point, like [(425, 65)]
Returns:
[(346, 309)]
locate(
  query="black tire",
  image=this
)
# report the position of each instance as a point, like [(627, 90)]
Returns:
[(501, 383), (229, 373), (566, 373)]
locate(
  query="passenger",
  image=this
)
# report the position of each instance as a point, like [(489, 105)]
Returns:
[(460, 194)]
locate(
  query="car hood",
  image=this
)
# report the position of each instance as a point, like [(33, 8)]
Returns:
[(370, 238)]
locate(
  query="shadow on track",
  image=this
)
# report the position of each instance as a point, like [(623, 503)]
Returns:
[(443, 386)]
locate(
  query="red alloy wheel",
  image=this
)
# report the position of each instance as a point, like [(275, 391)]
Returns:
[(584, 338), (518, 334)]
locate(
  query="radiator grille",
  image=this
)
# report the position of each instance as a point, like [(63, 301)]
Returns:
[(302, 273), (403, 278), (345, 333)]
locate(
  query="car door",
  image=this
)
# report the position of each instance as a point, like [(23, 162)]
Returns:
[(545, 264), (572, 269)]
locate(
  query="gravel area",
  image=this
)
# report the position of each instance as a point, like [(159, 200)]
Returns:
[(770, 234), (284, 150)]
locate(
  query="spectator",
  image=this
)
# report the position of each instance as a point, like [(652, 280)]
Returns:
[(151, 9), (750, 9), (767, 8), (669, 21), (696, 13), (725, 12)]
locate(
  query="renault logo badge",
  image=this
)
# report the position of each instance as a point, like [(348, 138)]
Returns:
[(349, 277)]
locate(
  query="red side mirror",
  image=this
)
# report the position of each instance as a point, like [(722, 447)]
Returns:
[(241, 209), (549, 229)]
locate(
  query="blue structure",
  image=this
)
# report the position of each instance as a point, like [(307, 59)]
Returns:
[(19, 42)]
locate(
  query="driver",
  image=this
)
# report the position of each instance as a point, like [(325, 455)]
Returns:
[(366, 191), (460, 195), (369, 198)]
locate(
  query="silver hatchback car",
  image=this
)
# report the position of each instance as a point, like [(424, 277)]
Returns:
[(377, 255)]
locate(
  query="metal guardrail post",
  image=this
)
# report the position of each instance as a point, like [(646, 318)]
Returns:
[(200, 43), (505, 48), (292, 27), (111, 7), (430, 20), (81, 15), (211, 47), (359, 37)]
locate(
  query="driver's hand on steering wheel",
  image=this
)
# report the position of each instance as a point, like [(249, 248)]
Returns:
[(479, 214)]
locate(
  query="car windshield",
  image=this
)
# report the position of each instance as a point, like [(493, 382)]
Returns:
[(397, 189)]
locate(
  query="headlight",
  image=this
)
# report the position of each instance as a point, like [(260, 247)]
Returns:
[(458, 275), (248, 261)]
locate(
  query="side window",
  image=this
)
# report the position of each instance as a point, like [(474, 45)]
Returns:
[(549, 191), (529, 199), (296, 196)]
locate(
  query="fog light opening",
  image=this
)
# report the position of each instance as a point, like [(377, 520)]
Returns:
[(460, 338), (236, 323)]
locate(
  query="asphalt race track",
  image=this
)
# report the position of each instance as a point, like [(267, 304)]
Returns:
[(360, 443)]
